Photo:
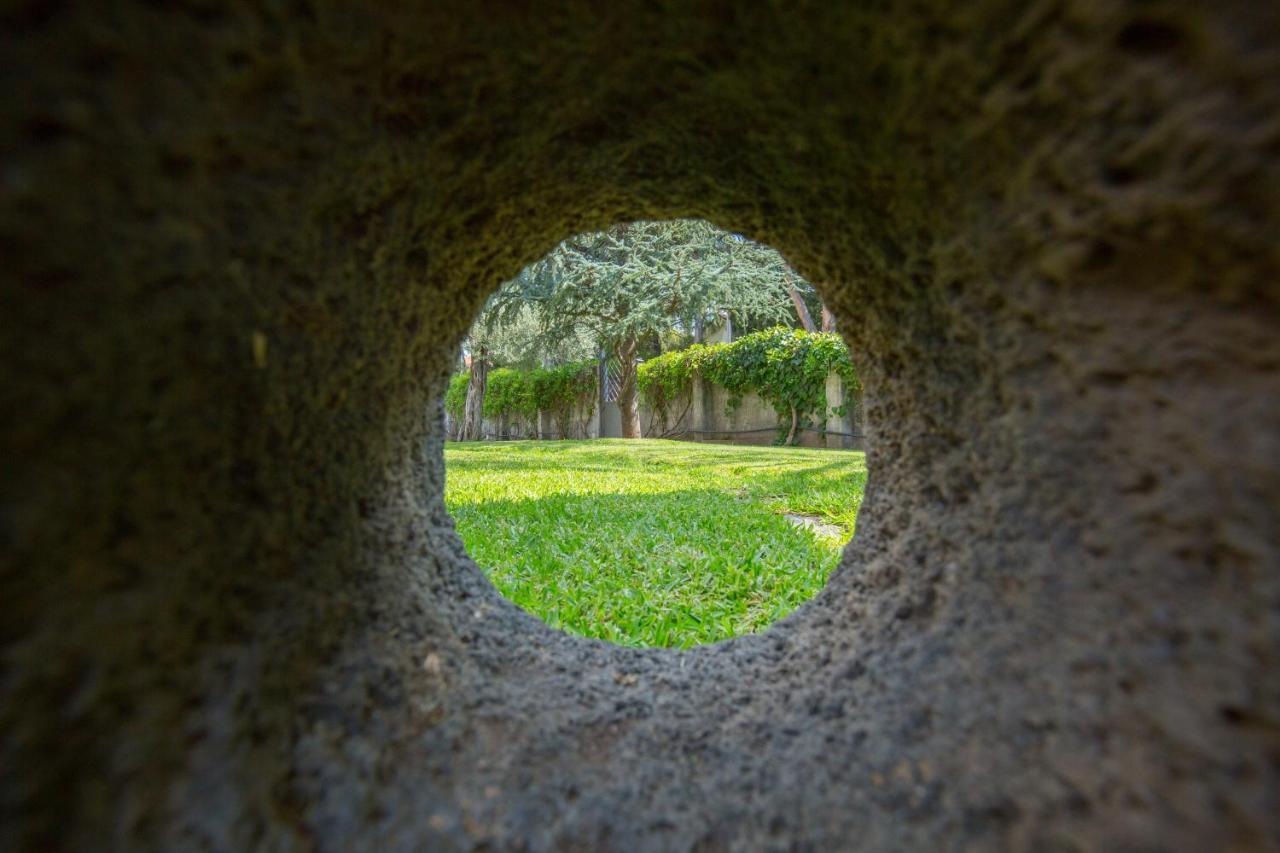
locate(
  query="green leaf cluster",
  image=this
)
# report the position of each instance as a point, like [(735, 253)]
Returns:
[(510, 395), (518, 395), (666, 381), (787, 368), (455, 396), (641, 279), (565, 390)]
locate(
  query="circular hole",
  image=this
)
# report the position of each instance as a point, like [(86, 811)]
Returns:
[(653, 440)]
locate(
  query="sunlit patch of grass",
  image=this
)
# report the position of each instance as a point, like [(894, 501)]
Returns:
[(652, 543)]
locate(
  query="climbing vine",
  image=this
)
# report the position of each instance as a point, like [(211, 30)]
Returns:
[(509, 399), (455, 397), (787, 368), (565, 391), (665, 382), (514, 397)]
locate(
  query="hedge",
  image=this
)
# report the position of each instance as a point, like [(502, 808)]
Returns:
[(787, 368), (518, 395)]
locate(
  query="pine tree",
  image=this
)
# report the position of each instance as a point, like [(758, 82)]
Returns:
[(635, 281)]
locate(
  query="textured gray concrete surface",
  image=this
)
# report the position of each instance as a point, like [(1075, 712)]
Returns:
[(241, 242)]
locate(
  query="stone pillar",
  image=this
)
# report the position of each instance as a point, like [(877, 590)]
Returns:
[(835, 423), (610, 420), (856, 403), (697, 409)]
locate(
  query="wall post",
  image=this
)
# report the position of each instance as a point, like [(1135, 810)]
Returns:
[(835, 423)]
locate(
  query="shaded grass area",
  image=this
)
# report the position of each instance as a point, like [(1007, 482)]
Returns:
[(652, 543)]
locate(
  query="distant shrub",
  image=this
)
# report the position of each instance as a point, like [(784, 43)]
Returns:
[(509, 398), (666, 381), (787, 368), (514, 397), (455, 396), (566, 391)]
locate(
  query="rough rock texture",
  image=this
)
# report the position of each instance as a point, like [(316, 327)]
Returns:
[(242, 241)]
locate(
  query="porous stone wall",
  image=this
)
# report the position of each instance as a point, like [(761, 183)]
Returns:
[(242, 242)]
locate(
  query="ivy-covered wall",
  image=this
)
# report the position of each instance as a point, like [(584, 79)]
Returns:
[(770, 386), (527, 403), (787, 368)]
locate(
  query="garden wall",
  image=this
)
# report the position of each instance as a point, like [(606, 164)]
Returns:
[(585, 423), (754, 421), (705, 416)]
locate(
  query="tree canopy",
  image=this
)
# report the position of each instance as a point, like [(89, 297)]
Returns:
[(519, 340), (641, 279), (641, 283)]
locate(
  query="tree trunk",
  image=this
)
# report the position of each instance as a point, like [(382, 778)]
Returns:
[(473, 414), (802, 310), (628, 406), (795, 420), (828, 319)]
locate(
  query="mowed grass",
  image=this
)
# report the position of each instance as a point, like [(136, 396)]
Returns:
[(653, 543)]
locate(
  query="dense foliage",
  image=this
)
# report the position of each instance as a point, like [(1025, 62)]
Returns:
[(509, 398), (642, 278), (634, 283), (455, 397), (517, 339), (566, 391), (632, 289), (515, 397), (787, 368)]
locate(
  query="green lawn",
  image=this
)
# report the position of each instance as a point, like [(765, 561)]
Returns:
[(653, 543)]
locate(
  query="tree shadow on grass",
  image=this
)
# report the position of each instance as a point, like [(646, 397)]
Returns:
[(671, 569), (590, 456)]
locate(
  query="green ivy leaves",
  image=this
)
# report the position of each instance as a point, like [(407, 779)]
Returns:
[(788, 368), (455, 397), (522, 394)]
